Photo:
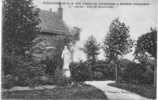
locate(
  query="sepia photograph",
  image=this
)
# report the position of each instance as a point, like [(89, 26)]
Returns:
[(79, 50)]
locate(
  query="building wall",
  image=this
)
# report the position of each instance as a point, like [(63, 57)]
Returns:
[(45, 46)]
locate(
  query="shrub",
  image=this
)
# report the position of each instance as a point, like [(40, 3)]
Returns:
[(84, 71), (98, 75), (9, 63), (51, 65), (107, 70), (136, 73), (59, 78), (24, 72), (80, 71), (8, 81)]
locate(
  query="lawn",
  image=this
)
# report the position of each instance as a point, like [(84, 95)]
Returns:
[(143, 90), (85, 92)]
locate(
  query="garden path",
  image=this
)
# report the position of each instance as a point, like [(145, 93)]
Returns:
[(114, 93)]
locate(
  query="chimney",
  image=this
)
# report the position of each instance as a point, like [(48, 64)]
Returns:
[(60, 11)]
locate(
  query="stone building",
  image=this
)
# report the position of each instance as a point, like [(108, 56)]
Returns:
[(53, 31)]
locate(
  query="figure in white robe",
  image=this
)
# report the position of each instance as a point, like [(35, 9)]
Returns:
[(66, 56)]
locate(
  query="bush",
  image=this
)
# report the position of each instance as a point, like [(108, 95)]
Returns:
[(51, 65), (9, 62), (136, 73), (133, 73), (84, 71), (23, 71), (59, 78), (8, 81), (80, 71), (107, 70), (98, 75)]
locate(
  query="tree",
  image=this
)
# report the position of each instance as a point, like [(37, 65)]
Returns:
[(147, 43), (20, 25), (20, 20), (91, 49), (147, 46), (117, 42)]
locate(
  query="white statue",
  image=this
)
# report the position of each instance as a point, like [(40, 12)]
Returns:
[(66, 56)]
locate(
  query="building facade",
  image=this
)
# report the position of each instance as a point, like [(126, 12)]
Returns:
[(52, 32)]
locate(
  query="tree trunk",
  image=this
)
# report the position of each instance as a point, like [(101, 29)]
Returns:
[(116, 73)]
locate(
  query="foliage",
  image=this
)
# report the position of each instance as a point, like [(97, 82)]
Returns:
[(135, 73), (59, 78), (9, 63), (80, 71), (146, 48), (91, 49), (8, 81), (24, 72), (84, 71), (147, 43), (107, 70), (117, 42), (20, 20), (51, 65), (97, 75)]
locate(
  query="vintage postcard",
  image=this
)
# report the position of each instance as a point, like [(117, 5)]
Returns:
[(79, 49)]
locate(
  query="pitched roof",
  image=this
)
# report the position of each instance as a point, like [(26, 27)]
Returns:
[(50, 23)]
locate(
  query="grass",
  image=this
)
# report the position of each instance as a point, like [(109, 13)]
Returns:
[(85, 92), (143, 90)]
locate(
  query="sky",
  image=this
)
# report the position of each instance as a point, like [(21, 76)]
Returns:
[(96, 21)]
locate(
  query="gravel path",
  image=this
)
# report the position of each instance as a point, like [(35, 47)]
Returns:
[(114, 93)]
